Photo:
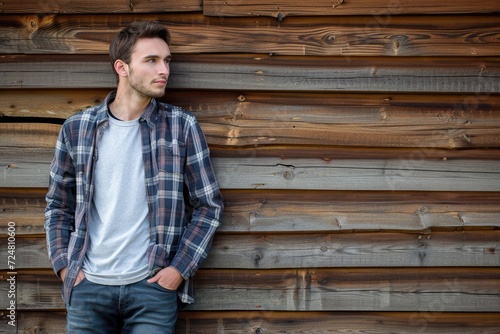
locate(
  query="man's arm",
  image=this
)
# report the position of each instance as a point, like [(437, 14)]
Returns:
[(207, 204), (61, 203)]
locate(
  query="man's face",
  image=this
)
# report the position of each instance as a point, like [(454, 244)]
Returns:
[(149, 67)]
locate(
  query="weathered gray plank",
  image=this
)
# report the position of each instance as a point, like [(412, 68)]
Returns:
[(469, 248), (312, 174), (268, 173), (462, 248), (317, 217), (479, 77), (373, 289)]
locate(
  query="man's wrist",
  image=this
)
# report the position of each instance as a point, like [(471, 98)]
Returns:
[(62, 273)]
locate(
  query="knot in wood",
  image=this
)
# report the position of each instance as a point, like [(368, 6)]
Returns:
[(31, 23), (257, 257), (237, 115), (329, 39)]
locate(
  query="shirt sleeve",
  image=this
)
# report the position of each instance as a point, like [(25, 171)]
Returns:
[(207, 202), (60, 209)]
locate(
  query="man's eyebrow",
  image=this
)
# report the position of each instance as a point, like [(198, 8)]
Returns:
[(157, 57)]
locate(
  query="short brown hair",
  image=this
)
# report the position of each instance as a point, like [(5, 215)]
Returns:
[(123, 44)]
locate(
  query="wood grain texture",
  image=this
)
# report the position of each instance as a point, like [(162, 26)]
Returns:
[(314, 119), (381, 10), (477, 77), (380, 289), (51, 7), (451, 35), (227, 107), (464, 248), (267, 173), (275, 211), (303, 174), (30, 136), (258, 321)]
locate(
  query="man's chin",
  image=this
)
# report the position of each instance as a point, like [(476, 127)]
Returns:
[(157, 94)]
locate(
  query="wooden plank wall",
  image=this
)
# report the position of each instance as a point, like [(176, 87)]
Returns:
[(357, 144)]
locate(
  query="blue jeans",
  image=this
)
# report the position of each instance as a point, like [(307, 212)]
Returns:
[(137, 308)]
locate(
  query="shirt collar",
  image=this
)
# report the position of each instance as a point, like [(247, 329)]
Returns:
[(149, 114)]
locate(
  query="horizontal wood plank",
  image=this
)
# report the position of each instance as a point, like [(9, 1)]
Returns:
[(228, 106), (466, 248), (33, 138), (450, 35), (38, 141), (273, 211), (235, 120), (255, 321), (267, 173), (31, 170), (381, 10), (299, 211), (470, 248), (475, 76), (371, 289), (98, 7)]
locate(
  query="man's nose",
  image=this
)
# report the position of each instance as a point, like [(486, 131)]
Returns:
[(164, 68)]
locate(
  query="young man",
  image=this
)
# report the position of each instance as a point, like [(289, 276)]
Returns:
[(117, 231)]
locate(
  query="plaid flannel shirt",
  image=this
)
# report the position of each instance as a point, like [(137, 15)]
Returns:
[(176, 157)]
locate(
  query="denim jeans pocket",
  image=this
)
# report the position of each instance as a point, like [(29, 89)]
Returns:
[(161, 288)]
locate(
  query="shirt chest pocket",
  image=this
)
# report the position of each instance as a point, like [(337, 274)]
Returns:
[(171, 157)]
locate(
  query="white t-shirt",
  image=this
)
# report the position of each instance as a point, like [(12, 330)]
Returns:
[(119, 222)]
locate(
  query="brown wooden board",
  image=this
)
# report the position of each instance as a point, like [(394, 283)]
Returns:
[(279, 211), (235, 120), (475, 77), (228, 107), (274, 322), (274, 211), (459, 35), (370, 289), (465, 248), (37, 140), (381, 10), (49, 7)]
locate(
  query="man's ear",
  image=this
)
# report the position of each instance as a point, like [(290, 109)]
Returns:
[(121, 68)]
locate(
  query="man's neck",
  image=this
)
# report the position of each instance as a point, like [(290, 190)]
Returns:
[(128, 106)]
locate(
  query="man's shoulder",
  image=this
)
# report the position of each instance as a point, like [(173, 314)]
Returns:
[(89, 114)]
